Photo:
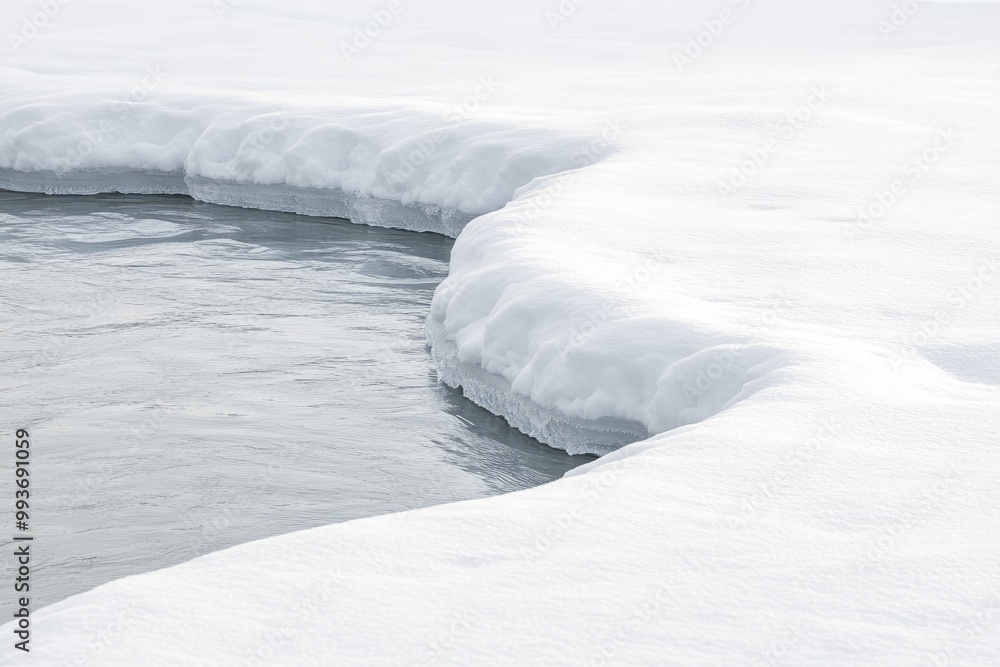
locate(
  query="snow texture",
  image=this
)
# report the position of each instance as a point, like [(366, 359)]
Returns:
[(758, 238)]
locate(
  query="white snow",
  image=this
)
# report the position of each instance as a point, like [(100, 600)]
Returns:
[(324, 164), (763, 233)]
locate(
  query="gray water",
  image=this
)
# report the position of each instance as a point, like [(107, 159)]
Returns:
[(196, 376)]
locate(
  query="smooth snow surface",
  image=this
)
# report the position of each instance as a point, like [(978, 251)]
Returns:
[(764, 233)]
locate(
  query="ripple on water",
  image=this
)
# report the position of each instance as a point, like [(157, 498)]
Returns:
[(199, 376)]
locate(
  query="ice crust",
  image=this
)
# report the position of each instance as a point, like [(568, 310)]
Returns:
[(775, 251), (94, 182), (331, 203), (290, 199)]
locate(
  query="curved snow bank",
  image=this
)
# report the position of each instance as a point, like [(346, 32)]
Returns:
[(574, 362), (494, 392), (788, 272), (399, 167)]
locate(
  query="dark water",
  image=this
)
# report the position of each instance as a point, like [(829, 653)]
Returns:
[(196, 376)]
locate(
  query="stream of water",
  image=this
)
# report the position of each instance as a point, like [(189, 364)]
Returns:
[(196, 376)]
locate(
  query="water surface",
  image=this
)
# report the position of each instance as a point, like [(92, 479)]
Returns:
[(197, 376)]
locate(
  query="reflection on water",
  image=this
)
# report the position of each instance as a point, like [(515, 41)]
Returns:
[(197, 376)]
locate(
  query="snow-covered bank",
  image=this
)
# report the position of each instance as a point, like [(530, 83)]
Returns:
[(576, 434), (766, 233), (387, 167)]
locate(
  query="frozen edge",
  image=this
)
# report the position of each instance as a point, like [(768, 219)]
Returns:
[(285, 198), (488, 390), (547, 425), (332, 204), (94, 182)]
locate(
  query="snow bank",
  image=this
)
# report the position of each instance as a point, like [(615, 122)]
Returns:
[(763, 235), (386, 167)]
